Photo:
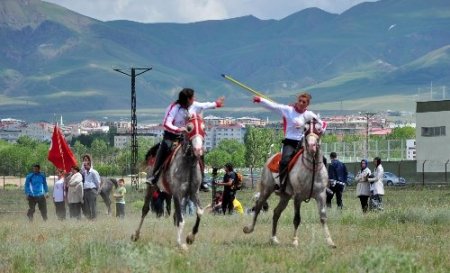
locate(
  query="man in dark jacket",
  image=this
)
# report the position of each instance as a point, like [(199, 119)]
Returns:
[(228, 192), (36, 191), (337, 176)]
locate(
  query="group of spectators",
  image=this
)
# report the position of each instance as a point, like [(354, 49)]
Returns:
[(78, 189), (369, 190)]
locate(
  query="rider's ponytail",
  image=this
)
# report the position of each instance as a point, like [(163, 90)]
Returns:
[(184, 96)]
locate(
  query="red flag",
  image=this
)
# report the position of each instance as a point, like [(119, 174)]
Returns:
[(59, 153)]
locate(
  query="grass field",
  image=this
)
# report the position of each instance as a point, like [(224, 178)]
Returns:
[(412, 234)]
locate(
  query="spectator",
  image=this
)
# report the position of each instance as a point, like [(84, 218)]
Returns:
[(119, 196), (228, 192), (75, 193), (237, 206), (85, 158), (187, 206), (90, 187), (337, 176), (36, 191), (59, 195), (376, 186), (217, 206), (363, 186)]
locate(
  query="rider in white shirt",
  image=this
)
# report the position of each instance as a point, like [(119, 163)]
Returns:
[(294, 119), (174, 124)]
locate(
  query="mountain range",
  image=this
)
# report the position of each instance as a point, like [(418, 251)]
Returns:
[(374, 56)]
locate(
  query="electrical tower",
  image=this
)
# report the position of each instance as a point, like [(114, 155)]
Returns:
[(134, 144), (368, 116)]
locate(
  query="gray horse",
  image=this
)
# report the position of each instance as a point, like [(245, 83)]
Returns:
[(308, 179), (106, 187), (182, 179)]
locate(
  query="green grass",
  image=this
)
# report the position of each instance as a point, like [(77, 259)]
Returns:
[(410, 235)]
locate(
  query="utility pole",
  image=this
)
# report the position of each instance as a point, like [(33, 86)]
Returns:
[(134, 144), (368, 116)]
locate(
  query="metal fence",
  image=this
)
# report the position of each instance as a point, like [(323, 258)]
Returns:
[(389, 150)]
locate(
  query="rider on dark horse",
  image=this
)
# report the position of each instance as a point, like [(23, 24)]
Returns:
[(294, 119), (174, 123)]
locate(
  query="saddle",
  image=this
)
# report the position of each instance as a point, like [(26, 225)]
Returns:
[(274, 164)]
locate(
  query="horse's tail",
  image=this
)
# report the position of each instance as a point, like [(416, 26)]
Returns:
[(152, 152)]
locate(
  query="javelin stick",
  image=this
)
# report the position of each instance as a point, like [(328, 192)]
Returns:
[(253, 91)]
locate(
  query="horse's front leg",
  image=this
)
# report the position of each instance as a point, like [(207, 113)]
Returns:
[(199, 212), (284, 201), (179, 221), (145, 210), (321, 201), (297, 219), (264, 195)]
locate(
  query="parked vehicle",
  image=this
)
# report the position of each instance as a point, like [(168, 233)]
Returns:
[(390, 179), (350, 179)]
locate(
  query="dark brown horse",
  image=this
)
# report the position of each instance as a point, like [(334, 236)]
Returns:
[(308, 179), (182, 179)]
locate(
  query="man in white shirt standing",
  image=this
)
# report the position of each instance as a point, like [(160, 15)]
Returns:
[(90, 186)]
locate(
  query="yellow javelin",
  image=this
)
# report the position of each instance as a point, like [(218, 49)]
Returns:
[(253, 91)]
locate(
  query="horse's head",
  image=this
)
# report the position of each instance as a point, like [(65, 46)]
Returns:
[(313, 132), (196, 133)]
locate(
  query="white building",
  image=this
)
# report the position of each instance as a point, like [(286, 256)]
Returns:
[(411, 149), (41, 131), (215, 134), (433, 148)]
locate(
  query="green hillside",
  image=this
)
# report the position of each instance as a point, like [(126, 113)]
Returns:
[(53, 60)]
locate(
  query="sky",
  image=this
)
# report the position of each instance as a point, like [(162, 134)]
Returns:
[(186, 11)]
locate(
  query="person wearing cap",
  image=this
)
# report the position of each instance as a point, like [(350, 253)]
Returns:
[(36, 191)]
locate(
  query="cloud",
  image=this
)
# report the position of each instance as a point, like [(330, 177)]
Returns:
[(182, 11)]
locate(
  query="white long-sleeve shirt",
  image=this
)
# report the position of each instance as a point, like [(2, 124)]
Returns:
[(58, 190), (176, 116), (293, 121)]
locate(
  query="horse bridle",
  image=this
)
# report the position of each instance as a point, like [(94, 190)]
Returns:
[(314, 164)]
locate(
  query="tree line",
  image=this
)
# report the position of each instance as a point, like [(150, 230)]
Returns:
[(259, 144)]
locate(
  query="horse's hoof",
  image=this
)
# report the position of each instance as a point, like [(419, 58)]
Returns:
[(331, 243), (134, 237), (190, 239), (295, 242), (184, 247), (247, 230), (274, 240)]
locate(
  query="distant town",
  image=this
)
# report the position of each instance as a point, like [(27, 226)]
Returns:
[(217, 128)]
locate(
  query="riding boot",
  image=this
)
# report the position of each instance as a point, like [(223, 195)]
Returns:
[(284, 173), (159, 162)]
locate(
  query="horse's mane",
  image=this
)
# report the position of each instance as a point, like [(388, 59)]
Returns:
[(114, 181)]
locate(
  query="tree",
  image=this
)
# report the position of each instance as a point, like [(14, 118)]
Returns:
[(79, 149), (406, 132), (259, 142), (236, 151), (217, 158)]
